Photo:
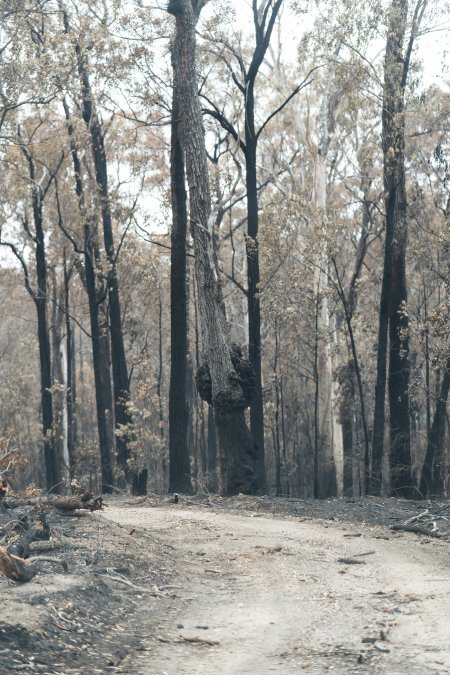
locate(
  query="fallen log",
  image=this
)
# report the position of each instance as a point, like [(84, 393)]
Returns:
[(76, 502), (73, 503), (16, 568), (20, 570), (418, 530)]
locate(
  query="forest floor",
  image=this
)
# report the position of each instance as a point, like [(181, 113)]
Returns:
[(235, 587)]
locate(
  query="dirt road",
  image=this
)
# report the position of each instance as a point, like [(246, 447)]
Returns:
[(260, 594)]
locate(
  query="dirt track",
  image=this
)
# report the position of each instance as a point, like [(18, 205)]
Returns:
[(257, 594)]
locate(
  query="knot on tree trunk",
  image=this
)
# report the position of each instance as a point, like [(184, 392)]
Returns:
[(204, 384), (239, 389)]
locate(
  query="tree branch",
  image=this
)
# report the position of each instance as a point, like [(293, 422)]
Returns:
[(23, 264), (297, 89), (417, 18), (224, 123)]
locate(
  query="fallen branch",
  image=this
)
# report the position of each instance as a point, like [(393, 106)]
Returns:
[(47, 558), (34, 529), (419, 516), (123, 580), (194, 639), (418, 530)]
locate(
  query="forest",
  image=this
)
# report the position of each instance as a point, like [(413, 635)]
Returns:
[(225, 246)]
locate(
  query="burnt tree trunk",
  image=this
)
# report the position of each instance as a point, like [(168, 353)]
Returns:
[(220, 383), (179, 460), (431, 479), (212, 452), (118, 359), (253, 283), (264, 17), (52, 464), (89, 113), (394, 322), (100, 356)]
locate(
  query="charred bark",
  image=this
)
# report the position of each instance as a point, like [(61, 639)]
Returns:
[(100, 355), (431, 482), (264, 17), (122, 418), (118, 359), (52, 462), (179, 460), (394, 322), (102, 373), (253, 287)]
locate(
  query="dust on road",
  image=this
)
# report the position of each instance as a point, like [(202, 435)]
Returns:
[(257, 594)]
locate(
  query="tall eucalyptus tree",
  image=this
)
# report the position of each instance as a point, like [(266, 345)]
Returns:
[(225, 380)]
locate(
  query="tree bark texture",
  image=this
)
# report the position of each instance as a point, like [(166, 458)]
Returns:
[(431, 482), (51, 461), (253, 290), (102, 373), (402, 480), (226, 392), (100, 357), (179, 460)]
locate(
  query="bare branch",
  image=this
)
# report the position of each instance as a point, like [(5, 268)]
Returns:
[(297, 89)]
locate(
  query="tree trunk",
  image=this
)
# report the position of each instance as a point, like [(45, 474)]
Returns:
[(265, 14), (212, 451), (100, 357), (253, 282), (59, 377), (52, 465), (347, 433), (70, 375), (224, 387), (119, 365), (431, 479), (393, 135), (102, 373), (379, 417), (330, 452), (179, 460), (122, 417)]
